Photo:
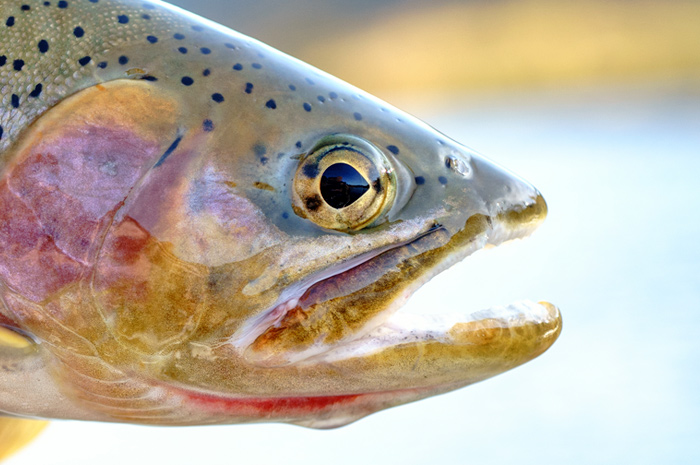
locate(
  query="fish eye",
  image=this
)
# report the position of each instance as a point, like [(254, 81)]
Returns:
[(344, 183)]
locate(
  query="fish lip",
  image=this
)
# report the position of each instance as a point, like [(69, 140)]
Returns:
[(249, 332)]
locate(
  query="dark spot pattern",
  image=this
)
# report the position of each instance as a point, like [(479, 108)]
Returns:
[(208, 125), (393, 149), (298, 144), (256, 65), (26, 7), (146, 17), (123, 19), (271, 104), (230, 45), (292, 87), (206, 72), (15, 101), (102, 64), (285, 215), (307, 106), (178, 36), (1, 132), (182, 50), (37, 91), (152, 39), (238, 67), (420, 180), (43, 46), (205, 50), (217, 97), (321, 98), (78, 32), (3, 60), (84, 60), (10, 21), (248, 88), (187, 81), (443, 180), (357, 116), (123, 60), (312, 202), (18, 65), (63, 4), (333, 95), (310, 81)]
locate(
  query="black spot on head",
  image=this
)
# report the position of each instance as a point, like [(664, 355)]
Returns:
[(393, 149), (230, 45), (321, 98), (333, 95), (187, 81), (84, 60), (178, 36), (310, 170), (208, 125), (420, 180), (312, 202), (49, 3), (264, 160), (18, 65), (152, 39), (15, 101), (298, 144), (182, 50), (443, 180), (307, 106), (78, 32), (197, 28), (256, 65), (271, 104), (285, 215), (123, 60), (358, 116), (1, 132), (149, 78), (43, 46), (10, 21), (206, 72), (259, 150), (3, 60), (205, 50), (123, 19), (94, 1), (26, 7), (217, 97), (310, 81), (63, 4), (238, 66), (146, 17), (292, 87), (248, 88), (37, 91), (102, 64)]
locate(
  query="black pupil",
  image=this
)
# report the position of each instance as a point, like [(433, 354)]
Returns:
[(342, 185)]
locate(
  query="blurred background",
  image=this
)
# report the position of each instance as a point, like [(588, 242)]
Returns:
[(597, 103)]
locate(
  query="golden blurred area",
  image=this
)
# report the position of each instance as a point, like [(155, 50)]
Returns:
[(515, 44)]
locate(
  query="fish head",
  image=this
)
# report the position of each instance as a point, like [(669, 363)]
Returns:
[(247, 262)]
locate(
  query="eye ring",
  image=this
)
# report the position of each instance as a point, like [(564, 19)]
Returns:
[(344, 183)]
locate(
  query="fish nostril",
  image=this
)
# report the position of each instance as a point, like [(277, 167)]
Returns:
[(458, 165)]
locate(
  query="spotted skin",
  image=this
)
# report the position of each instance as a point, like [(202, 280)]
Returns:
[(161, 245)]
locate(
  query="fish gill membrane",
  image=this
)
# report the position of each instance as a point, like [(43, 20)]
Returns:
[(199, 229)]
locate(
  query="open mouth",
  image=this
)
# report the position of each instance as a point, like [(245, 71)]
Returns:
[(353, 312)]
